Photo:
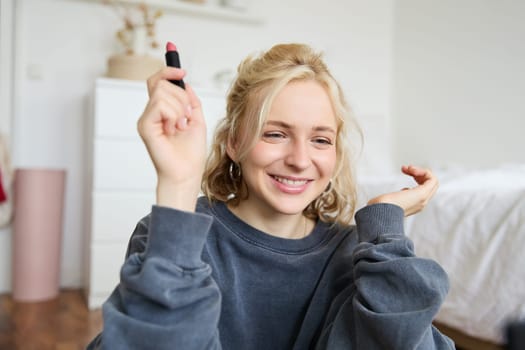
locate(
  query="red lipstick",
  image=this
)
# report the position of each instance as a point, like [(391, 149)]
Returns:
[(172, 60)]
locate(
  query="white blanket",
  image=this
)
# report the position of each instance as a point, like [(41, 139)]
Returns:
[(475, 228)]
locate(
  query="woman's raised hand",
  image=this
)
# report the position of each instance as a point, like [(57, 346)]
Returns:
[(412, 200), (173, 129)]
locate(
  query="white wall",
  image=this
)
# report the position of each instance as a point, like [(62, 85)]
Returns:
[(6, 63), (459, 82), (6, 105), (62, 46)]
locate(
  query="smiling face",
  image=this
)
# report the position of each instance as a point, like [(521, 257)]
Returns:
[(295, 157)]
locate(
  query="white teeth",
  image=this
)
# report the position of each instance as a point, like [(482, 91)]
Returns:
[(290, 182)]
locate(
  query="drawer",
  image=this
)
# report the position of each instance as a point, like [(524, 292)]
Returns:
[(122, 165), (118, 106), (115, 214), (106, 262)]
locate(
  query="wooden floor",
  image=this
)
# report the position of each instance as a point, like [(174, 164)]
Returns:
[(63, 323)]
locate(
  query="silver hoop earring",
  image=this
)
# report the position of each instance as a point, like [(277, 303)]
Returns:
[(234, 171)]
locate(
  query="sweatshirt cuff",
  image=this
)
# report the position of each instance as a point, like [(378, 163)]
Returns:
[(178, 236), (376, 220)]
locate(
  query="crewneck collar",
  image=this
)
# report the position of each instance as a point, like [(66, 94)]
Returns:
[(320, 235)]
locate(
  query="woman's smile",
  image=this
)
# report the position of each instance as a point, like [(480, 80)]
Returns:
[(290, 185)]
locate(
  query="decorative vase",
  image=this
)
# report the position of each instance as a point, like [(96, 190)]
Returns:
[(133, 67), (136, 64)]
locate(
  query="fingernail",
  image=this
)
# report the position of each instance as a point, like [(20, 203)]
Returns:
[(189, 110), (184, 122)]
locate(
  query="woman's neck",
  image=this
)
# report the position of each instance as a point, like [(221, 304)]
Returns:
[(284, 226)]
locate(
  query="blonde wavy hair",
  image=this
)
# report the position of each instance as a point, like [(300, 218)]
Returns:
[(259, 80)]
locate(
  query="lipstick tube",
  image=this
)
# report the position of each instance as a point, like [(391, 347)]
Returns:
[(173, 60)]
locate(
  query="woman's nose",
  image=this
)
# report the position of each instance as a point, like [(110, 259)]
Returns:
[(298, 155)]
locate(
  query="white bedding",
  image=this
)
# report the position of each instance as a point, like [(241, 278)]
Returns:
[(475, 228)]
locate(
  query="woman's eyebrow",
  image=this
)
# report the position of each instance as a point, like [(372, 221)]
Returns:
[(284, 125), (278, 123), (324, 129)]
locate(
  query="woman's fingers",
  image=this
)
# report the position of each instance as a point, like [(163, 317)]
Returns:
[(195, 106), (164, 74), (419, 174), (193, 99), (423, 177), (414, 199), (427, 186), (170, 109), (157, 116), (173, 106)]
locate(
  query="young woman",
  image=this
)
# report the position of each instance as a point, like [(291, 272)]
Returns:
[(268, 258)]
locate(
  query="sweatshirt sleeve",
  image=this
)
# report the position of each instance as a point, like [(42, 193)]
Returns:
[(395, 295), (166, 297)]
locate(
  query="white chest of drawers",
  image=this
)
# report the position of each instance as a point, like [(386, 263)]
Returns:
[(120, 181)]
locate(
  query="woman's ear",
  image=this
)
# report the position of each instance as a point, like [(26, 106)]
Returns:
[(231, 150)]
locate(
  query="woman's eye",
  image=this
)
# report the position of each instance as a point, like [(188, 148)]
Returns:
[(273, 135), (323, 141)]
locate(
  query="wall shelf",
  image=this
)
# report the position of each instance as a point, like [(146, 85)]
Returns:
[(209, 10)]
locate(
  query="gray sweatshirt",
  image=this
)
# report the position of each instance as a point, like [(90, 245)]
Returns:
[(208, 280)]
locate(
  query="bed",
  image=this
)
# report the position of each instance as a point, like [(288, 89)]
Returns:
[(475, 228)]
